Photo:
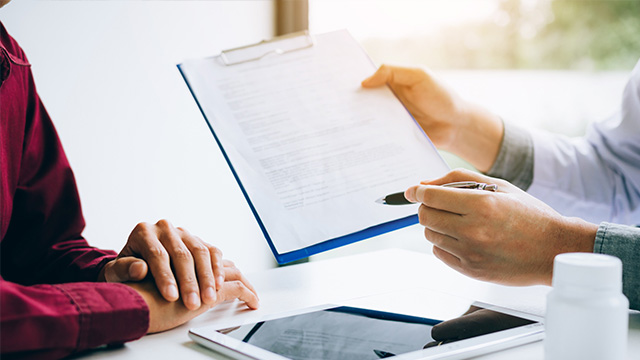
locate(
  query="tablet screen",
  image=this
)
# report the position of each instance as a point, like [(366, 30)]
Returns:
[(355, 333)]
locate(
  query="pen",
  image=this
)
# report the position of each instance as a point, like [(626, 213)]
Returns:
[(399, 199)]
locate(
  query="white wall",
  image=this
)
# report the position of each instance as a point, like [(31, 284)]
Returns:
[(140, 147), (141, 151)]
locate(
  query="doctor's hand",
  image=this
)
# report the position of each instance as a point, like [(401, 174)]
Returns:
[(507, 236), (452, 123), (182, 265), (165, 315)]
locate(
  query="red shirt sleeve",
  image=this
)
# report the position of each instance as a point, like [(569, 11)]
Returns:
[(53, 321), (50, 304)]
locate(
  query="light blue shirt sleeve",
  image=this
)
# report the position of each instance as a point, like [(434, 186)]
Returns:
[(596, 177), (514, 162), (623, 242)]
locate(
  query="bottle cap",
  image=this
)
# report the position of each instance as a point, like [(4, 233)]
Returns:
[(587, 271)]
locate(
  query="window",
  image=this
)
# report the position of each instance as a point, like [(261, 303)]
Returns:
[(504, 54), (549, 64), (490, 34)]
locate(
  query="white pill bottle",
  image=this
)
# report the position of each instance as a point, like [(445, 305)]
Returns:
[(587, 314)]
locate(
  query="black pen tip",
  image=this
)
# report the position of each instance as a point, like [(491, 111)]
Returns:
[(382, 200)]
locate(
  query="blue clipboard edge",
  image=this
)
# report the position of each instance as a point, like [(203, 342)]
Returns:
[(313, 249)]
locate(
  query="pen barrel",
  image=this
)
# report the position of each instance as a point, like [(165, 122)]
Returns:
[(488, 187)]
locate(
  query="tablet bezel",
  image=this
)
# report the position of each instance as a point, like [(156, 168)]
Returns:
[(211, 338)]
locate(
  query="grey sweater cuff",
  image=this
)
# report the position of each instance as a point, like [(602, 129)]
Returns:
[(623, 242), (515, 158)]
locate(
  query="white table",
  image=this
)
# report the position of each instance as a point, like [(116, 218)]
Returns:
[(335, 280)]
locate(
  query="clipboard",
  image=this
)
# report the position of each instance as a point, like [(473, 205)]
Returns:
[(280, 47), (277, 46)]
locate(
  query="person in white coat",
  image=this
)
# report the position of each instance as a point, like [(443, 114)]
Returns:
[(582, 194)]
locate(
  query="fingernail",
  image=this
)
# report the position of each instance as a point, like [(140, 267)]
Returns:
[(410, 193), (220, 280), (172, 291), (210, 294), (193, 300)]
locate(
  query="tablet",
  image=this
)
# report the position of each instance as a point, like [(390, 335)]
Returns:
[(446, 328)]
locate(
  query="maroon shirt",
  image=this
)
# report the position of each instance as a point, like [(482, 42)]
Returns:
[(50, 304)]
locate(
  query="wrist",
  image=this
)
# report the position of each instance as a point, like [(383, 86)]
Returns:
[(478, 137), (574, 235), (580, 235), (145, 292)]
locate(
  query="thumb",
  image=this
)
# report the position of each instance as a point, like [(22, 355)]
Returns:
[(125, 269), (395, 75), (453, 176), (379, 78)]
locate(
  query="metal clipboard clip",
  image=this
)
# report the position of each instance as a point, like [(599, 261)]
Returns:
[(278, 46)]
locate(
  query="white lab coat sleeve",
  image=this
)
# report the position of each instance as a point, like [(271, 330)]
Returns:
[(596, 177)]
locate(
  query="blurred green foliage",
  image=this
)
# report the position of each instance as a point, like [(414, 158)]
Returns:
[(529, 34)]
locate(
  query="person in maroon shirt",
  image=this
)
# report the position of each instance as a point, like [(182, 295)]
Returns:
[(58, 295)]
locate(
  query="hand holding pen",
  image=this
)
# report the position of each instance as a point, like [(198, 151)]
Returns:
[(505, 236), (399, 198)]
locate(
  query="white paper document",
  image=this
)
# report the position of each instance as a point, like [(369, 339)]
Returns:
[(311, 148)]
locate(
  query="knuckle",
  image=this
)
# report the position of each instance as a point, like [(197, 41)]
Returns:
[(142, 226), (487, 201), (158, 252), (216, 251), (200, 250), (164, 276), (140, 230), (163, 223), (423, 195), (188, 282), (474, 262), (481, 239), (206, 277), (181, 254), (473, 259), (460, 172), (238, 285)]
